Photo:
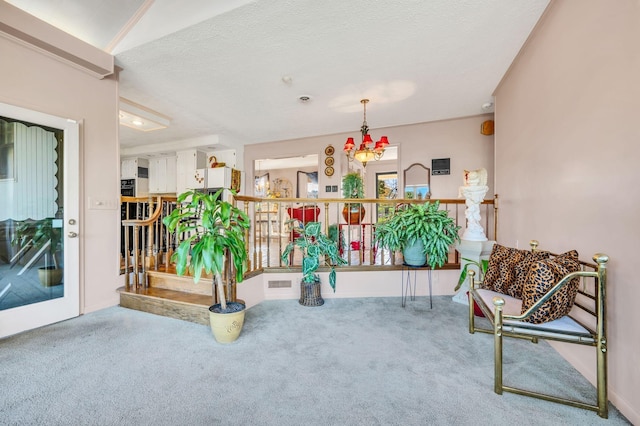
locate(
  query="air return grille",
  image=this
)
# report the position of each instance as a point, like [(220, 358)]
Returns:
[(280, 284)]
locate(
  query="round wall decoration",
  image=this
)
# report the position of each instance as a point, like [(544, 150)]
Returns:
[(329, 150), (328, 171), (328, 161)]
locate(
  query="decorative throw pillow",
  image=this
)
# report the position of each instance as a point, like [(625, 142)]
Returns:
[(543, 275), (499, 254), (501, 271), (522, 271)]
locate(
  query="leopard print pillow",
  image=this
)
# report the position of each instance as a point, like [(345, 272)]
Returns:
[(499, 254), (522, 271), (543, 275), (501, 273)]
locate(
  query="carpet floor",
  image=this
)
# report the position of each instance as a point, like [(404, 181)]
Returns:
[(350, 362)]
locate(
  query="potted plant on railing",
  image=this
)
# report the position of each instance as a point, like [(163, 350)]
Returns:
[(315, 246), (422, 231), (353, 187), (214, 230), (42, 235)]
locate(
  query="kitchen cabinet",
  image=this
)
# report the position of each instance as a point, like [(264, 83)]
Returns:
[(187, 162), (131, 168), (163, 175)]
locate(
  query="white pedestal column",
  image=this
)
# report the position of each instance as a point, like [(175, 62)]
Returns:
[(472, 250)]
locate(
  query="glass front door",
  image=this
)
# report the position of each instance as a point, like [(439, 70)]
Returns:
[(38, 219)]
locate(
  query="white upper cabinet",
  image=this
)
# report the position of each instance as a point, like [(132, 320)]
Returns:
[(132, 168), (187, 162), (162, 175)]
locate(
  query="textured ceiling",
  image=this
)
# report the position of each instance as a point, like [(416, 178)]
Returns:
[(217, 68)]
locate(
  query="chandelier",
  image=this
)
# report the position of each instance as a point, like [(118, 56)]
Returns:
[(364, 153)]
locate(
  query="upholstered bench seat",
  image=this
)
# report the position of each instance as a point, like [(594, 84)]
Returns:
[(513, 306), (541, 295)]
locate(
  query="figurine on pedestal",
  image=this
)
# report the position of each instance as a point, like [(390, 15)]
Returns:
[(474, 189)]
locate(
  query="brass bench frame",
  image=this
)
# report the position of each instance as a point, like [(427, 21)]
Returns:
[(589, 312)]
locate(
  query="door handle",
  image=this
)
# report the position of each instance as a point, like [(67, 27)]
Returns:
[(72, 234)]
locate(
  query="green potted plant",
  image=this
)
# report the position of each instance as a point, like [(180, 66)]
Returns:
[(315, 246), (422, 231), (353, 187), (214, 231), (482, 266), (41, 234)]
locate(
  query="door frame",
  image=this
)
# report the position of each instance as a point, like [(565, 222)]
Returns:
[(35, 315)]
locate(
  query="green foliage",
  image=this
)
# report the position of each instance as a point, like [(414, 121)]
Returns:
[(425, 222), (352, 185), (334, 234), (314, 245), (38, 233), (212, 228), (482, 266)]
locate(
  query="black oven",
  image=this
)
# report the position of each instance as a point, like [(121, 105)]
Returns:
[(128, 187)]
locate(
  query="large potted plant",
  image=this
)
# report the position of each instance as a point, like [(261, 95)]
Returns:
[(214, 231), (315, 246), (353, 187), (42, 235), (422, 231)]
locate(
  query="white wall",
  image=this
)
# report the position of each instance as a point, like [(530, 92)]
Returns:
[(458, 139), (350, 284), (566, 162)]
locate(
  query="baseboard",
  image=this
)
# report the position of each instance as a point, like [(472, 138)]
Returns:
[(112, 301)]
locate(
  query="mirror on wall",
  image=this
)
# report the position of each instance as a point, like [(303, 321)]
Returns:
[(417, 182)]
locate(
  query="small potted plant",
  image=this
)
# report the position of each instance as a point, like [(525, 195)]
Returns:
[(214, 231), (315, 246), (38, 234), (422, 232), (353, 187)]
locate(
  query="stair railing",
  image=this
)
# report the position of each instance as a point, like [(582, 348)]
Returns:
[(149, 245), (146, 242)]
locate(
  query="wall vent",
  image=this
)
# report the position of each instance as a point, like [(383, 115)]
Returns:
[(280, 284)]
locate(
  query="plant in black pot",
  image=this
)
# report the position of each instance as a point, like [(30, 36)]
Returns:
[(422, 231), (315, 246), (353, 187), (42, 235), (213, 231)]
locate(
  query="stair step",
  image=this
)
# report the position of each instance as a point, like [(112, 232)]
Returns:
[(171, 281), (181, 305)]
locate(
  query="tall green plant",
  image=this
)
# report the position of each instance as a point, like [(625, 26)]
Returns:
[(314, 245), (214, 229), (424, 222)]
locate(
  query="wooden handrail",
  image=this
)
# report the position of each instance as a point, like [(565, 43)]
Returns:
[(156, 213), (144, 222)]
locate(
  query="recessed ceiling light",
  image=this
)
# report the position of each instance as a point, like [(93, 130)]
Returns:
[(141, 118)]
